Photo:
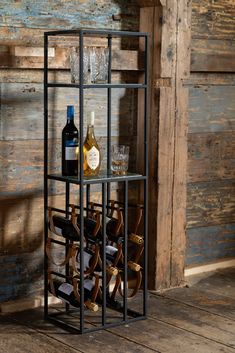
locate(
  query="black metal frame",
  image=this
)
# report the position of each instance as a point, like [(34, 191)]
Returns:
[(104, 180)]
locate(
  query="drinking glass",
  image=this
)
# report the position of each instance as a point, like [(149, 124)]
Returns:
[(99, 60), (75, 64), (120, 159)]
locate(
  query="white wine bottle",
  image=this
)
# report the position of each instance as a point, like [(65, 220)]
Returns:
[(91, 150)]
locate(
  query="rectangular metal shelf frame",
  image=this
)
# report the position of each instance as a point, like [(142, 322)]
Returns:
[(104, 180)]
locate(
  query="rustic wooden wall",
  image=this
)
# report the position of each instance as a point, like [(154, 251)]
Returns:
[(22, 24), (211, 152)]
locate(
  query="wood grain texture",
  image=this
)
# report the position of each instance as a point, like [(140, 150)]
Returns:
[(212, 55), (212, 79), (213, 19), (211, 156), (210, 244), (25, 121), (180, 145), (211, 109), (12, 57), (150, 22), (210, 203), (203, 323), (69, 15)]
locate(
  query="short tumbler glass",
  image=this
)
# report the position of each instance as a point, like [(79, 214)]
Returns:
[(120, 159)]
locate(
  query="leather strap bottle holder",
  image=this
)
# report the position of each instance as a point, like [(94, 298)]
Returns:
[(89, 303), (70, 254), (93, 261)]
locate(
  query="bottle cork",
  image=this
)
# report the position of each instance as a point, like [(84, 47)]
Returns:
[(91, 306), (113, 271), (134, 266), (137, 239)]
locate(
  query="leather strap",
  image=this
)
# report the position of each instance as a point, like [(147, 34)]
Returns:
[(93, 265), (51, 283), (135, 289), (71, 250)]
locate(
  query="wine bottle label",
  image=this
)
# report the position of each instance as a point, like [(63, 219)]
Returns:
[(111, 250), (71, 150), (87, 258), (58, 230), (89, 284), (65, 288), (71, 153), (93, 158)]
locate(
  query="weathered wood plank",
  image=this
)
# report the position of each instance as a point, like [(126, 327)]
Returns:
[(220, 284), (210, 79), (211, 156), (212, 55), (102, 340), (165, 159), (34, 37), (26, 339), (211, 109), (193, 319), (15, 57), (151, 3), (150, 22), (210, 203), (213, 19), (206, 300), (75, 14), (54, 76), (209, 244), (24, 121), (22, 164), (178, 237), (162, 337)]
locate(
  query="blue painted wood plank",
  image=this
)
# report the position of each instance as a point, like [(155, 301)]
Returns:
[(209, 244)]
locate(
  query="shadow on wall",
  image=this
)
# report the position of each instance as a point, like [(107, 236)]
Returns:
[(21, 245)]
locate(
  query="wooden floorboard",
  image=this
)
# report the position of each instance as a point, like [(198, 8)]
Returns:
[(199, 318)]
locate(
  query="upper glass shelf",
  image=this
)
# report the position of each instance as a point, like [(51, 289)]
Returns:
[(101, 178), (96, 32)]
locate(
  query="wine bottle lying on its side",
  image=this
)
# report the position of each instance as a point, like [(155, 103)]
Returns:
[(93, 262), (65, 292), (63, 226)]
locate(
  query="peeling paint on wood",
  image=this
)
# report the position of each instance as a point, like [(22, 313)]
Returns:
[(211, 243), (210, 203)]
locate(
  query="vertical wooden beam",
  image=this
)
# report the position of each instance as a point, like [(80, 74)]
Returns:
[(150, 21), (166, 147), (180, 147), (169, 27)]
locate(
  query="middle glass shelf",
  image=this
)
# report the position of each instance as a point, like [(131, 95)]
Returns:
[(101, 178), (98, 85)]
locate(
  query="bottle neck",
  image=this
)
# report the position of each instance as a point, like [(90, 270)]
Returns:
[(70, 120), (90, 131)]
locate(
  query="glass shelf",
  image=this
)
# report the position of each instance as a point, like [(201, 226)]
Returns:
[(101, 178), (98, 85), (96, 32)]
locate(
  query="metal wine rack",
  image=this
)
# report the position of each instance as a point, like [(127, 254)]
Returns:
[(80, 319)]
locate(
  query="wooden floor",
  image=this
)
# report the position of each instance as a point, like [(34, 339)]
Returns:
[(199, 318)]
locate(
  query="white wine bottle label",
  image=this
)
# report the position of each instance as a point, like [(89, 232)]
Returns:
[(65, 288), (111, 250), (93, 158), (71, 153), (89, 284), (87, 258)]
